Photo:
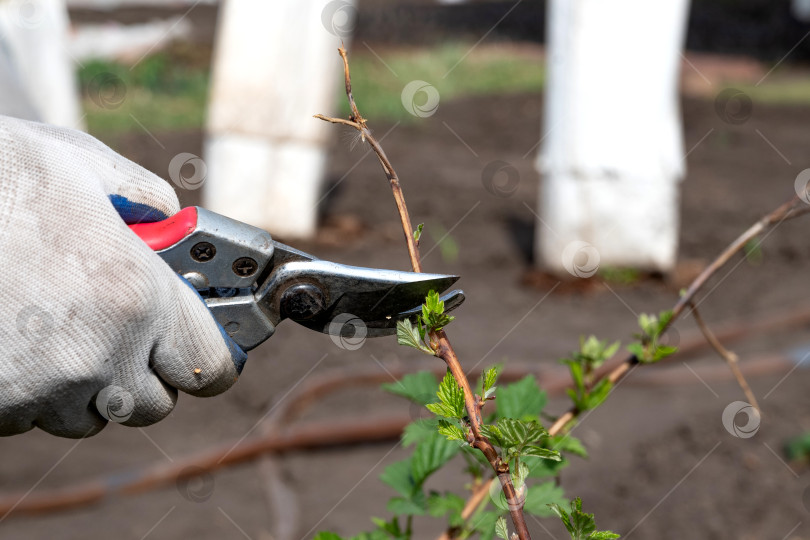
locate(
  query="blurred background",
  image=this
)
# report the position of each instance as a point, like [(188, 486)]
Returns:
[(479, 106)]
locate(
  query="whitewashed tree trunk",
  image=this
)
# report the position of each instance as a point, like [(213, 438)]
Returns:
[(275, 65), (613, 154), (35, 67)]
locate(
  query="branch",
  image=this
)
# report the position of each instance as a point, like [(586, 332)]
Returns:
[(442, 346), (795, 207), (730, 357)]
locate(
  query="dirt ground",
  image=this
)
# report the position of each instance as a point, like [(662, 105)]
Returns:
[(661, 465)]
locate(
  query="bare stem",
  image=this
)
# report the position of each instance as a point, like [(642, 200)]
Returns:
[(729, 356), (443, 348)]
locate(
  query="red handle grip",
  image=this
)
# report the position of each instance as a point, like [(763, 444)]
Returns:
[(163, 234)]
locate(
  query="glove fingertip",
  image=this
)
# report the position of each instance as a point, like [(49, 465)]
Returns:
[(238, 356)]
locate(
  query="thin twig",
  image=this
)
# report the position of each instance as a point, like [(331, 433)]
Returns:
[(442, 346), (478, 496), (729, 356)]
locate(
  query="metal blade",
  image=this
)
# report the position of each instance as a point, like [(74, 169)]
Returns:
[(321, 294)]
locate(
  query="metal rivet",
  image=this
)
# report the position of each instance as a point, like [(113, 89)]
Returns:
[(203, 252), (244, 266), (231, 327)]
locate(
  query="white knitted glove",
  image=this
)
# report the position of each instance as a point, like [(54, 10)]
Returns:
[(94, 326)]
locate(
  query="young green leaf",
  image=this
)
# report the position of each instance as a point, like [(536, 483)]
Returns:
[(418, 430), (408, 507), (490, 376), (484, 523), (430, 455), (522, 400), (451, 399), (598, 393), (520, 432), (418, 387), (450, 504), (580, 526), (538, 451), (324, 535), (501, 529), (567, 443), (433, 315), (602, 535), (451, 431), (398, 476), (385, 530), (408, 335), (538, 497), (417, 234)]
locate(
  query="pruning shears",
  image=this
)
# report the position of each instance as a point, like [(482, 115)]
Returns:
[(251, 283)]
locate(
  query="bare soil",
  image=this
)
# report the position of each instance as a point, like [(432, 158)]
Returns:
[(661, 465)]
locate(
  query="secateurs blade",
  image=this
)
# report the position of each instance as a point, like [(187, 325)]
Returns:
[(251, 283)]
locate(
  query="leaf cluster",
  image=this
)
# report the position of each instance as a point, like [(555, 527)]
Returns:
[(647, 349), (591, 355), (580, 526), (432, 319)]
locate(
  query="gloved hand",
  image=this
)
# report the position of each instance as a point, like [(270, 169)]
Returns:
[(94, 326)]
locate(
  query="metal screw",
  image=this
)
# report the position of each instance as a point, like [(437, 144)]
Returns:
[(244, 266), (302, 302), (203, 252)]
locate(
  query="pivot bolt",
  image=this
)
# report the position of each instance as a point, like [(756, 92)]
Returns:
[(302, 302)]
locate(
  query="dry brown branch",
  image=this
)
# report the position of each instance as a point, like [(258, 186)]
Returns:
[(729, 356), (441, 345)]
